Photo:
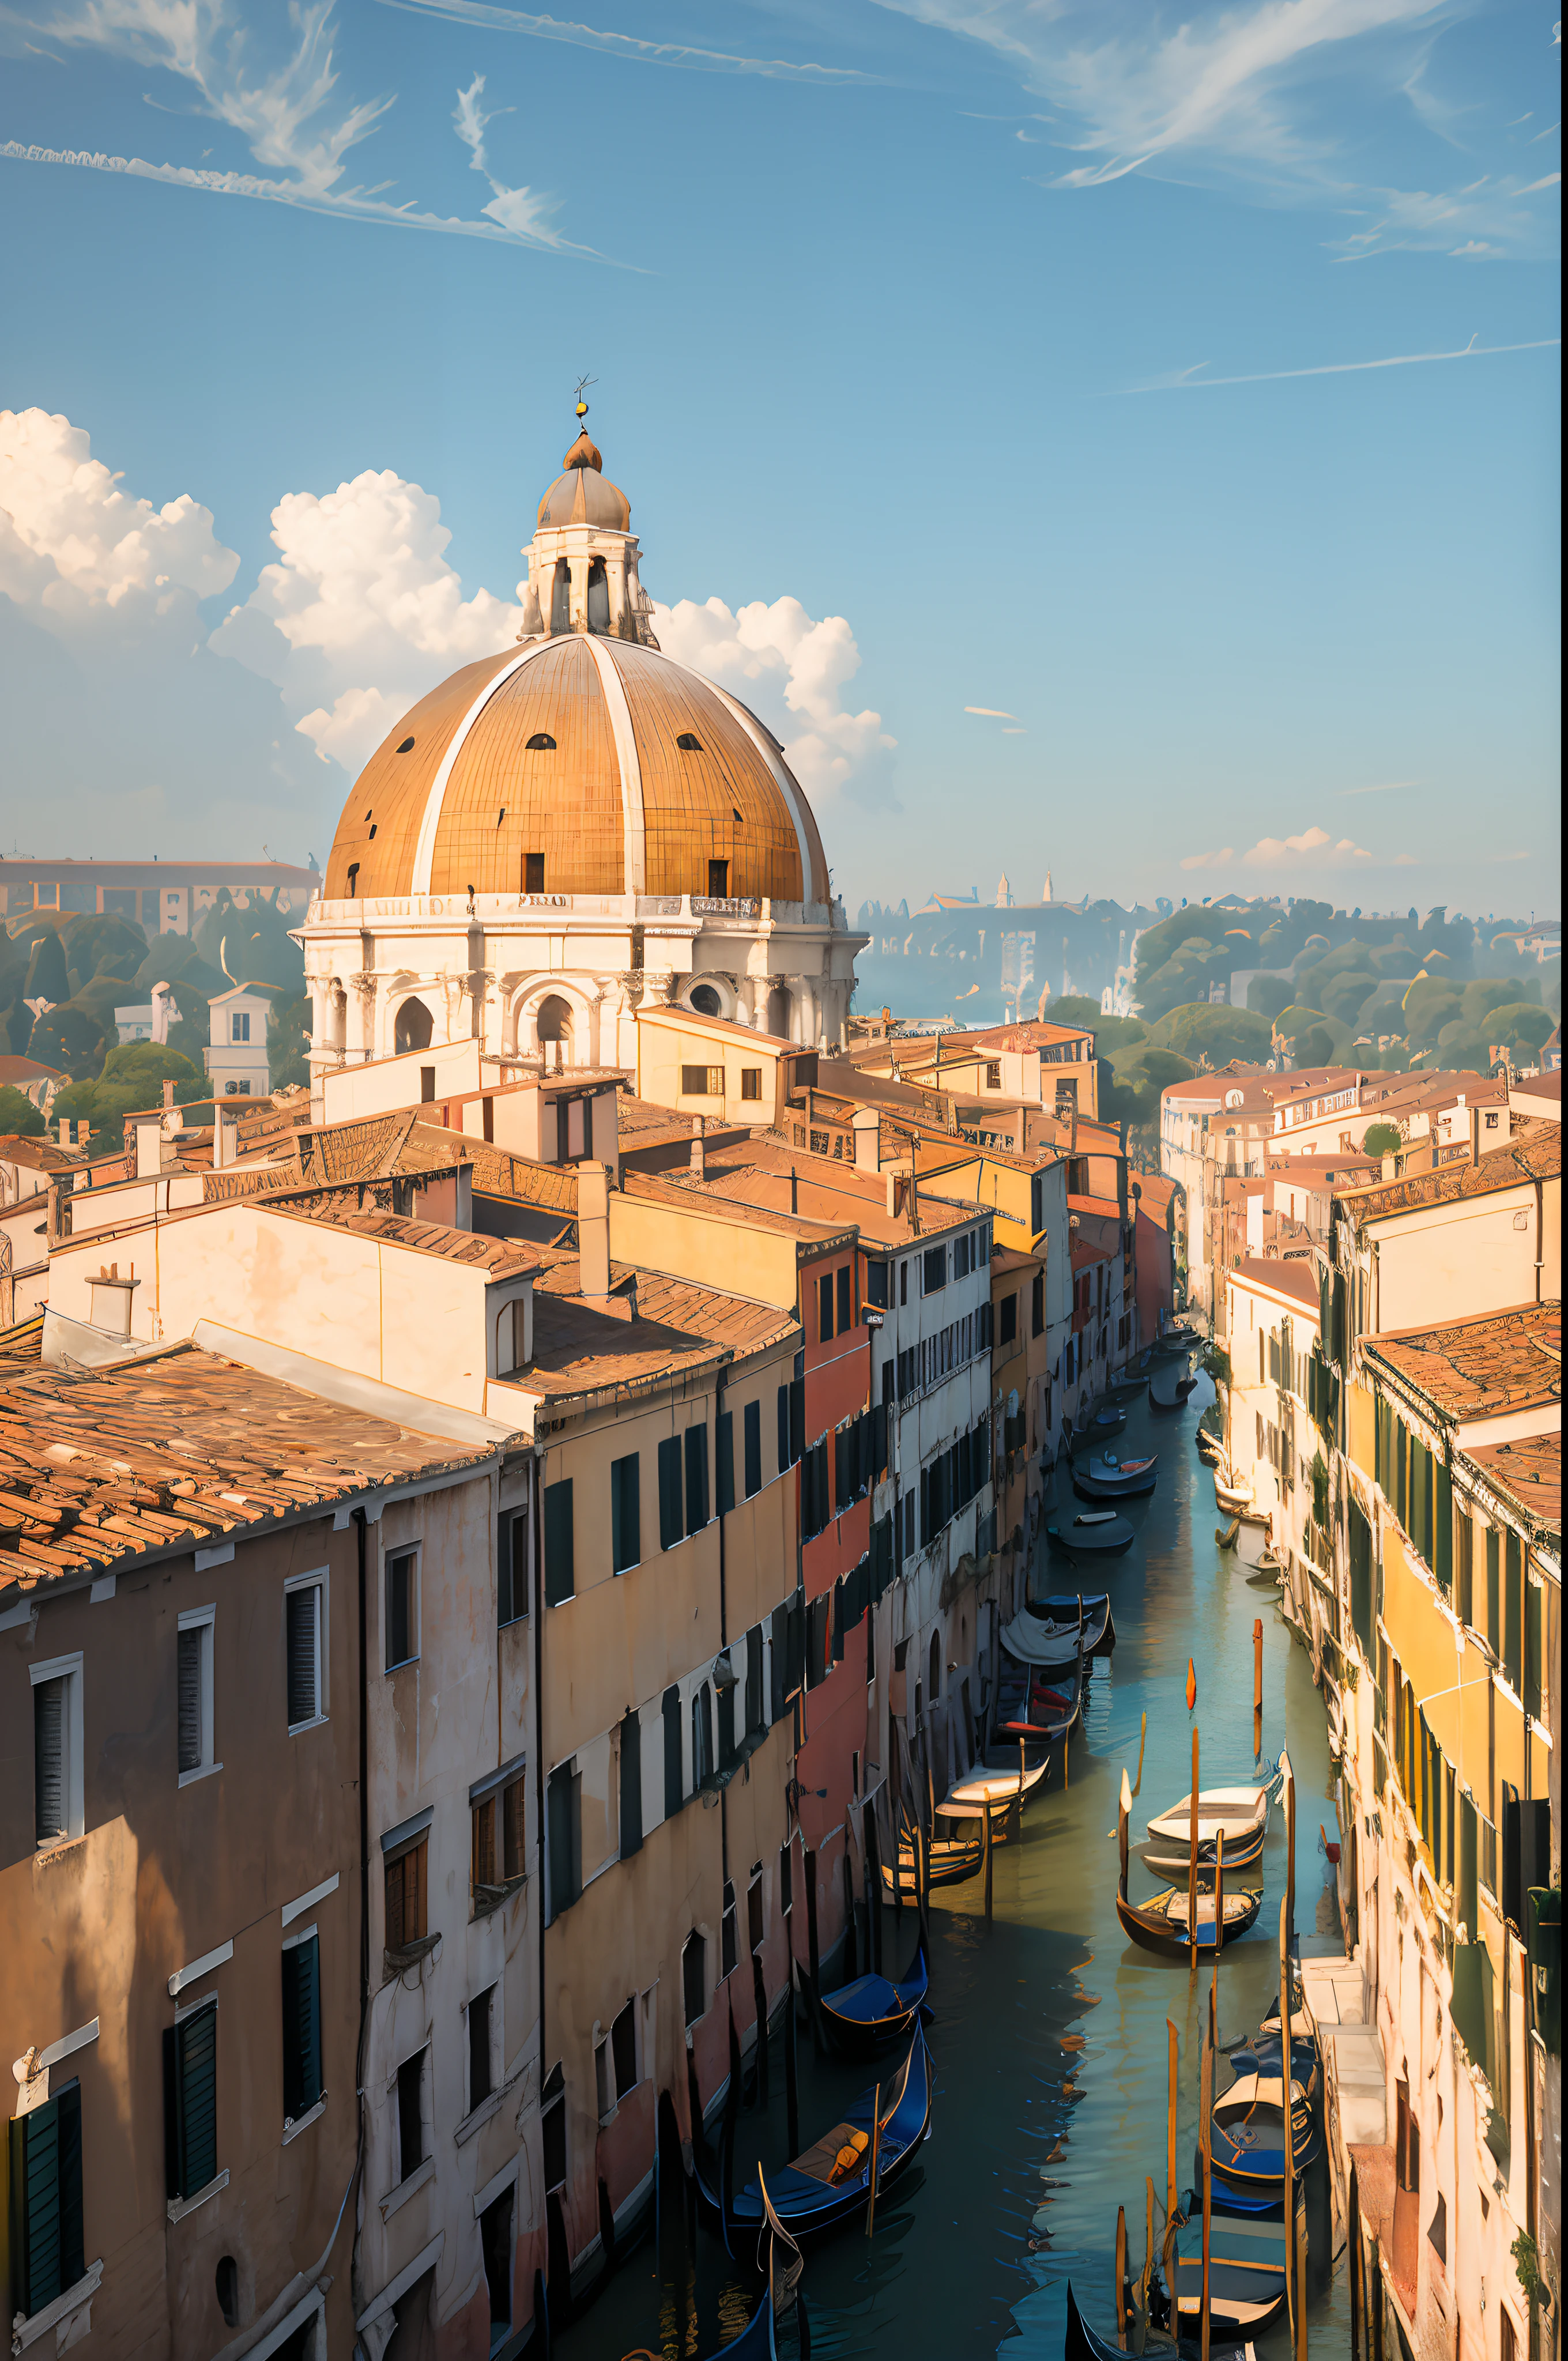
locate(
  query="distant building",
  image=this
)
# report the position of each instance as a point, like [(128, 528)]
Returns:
[(148, 1021), (37, 1083), (236, 1061), (163, 897)]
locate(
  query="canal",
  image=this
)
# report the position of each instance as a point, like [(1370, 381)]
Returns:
[(1050, 2032)]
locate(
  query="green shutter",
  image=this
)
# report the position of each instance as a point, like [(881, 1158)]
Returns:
[(192, 2095), (1399, 1472), (560, 1576), (301, 2028), (1513, 1612), (46, 2201), (671, 1523), (724, 1450), (1467, 1895), (1443, 1524), (1532, 1598), (1494, 1594)]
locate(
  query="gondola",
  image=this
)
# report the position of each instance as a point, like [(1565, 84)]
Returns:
[(995, 1785), (785, 2267), (1235, 1499), (873, 2014), (1248, 2270), (1259, 2054), (1062, 1607), (1082, 2344), (828, 2183), (1241, 1812), (1180, 1338), (1169, 1387), (1211, 1448), (1108, 1420), (950, 1860), (1166, 1858), (1041, 1640), (1102, 1535), (1034, 1704), (1160, 1924), (1108, 1477), (1247, 2143)]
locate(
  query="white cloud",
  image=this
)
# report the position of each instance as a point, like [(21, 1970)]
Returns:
[(1313, 844), (361, 613), (991, 712), (1219, 860), (74, 546), (480, 13), (790, 671)]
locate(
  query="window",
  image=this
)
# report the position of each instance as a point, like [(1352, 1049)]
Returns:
[(726, 1932), (496, 2249), (57, 1749), (933, 1269), (674, 1789), (1465, 1554), (625, 1513), (717, 880), (479, 2012), (305, 1650), (410, 2115), (825, 1308), (239, 1027), (994, 1074), (631, 1785), (193, 1698), (427, 1085), (846, 1318), (696, 1478), (724, 1460), (560, 1576), (876, 1285), (702, 1081), (402, 1607), (301, 2027), (46, 2201), (191, 2102), (564, 1832), (512, 1565), (791, 1421), (404, 1877), (1038, 1306), (671, 1527), (623, 2049), (1008, 1322), (756, 1719), (904, 1282), (753, 1445), (751, 1081), (533, 873), (702, 1736), (694, 1977)]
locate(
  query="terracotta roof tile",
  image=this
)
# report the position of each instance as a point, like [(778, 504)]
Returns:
[(1479, 1368), (1538, 1157), (680, 1326), (501, 1259), (102, 1465), (1529, 1471)]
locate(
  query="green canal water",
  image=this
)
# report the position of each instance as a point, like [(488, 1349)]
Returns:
[(1050, 2032)]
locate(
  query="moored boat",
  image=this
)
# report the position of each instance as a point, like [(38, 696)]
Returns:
[(1178, 1921), (1106, 1535), (872, 2013)]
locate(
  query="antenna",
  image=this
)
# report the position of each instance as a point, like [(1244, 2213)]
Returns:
[(583, 384)]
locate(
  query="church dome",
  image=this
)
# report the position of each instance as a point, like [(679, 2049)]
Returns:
[(578, 764), (583, 494)]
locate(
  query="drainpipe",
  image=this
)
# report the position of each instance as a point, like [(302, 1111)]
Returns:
[(536, 1577)]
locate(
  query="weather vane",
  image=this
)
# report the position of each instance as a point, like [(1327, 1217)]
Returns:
[(582, 383)]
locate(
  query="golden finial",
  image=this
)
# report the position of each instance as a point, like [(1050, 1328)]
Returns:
[(582, 383)]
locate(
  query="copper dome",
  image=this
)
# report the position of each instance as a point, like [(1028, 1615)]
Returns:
[(606, 761)]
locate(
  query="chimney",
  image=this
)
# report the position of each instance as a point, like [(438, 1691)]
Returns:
[(1390, 1167), (593, 1228), (866, 1124), (1474, 1134), (699, 1149), (109, 1300), (167, 1095), (225, 1138), (149, 1150)]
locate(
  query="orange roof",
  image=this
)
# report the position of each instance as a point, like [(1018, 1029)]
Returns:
[(500, 1258), (1529, 1472), (19, 1070), (1536, 1156), (1479, 1368), (680, 1326)]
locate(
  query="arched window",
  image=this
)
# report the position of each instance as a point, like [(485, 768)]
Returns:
[(541, 743), (599, 597), (413, 1027), (554, 1019), (936, 1666), (706, 1001), (560, 597)]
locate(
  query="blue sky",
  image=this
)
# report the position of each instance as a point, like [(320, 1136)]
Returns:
[(910, 323)]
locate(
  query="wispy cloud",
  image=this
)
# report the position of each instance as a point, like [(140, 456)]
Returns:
[(991, 712), (1190, 380), (479, 13), (1313, 848), (289, 115)]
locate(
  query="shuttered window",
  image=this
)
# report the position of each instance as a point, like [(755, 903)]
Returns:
[(631, 1785), (514, 1827), (301, 2028), (724, 1461), (560, 1566), (50, 1769), (756, 1718), (1513, 1612), (563, 1817), (625, 1512), (674, 1796), (402, 1607), (188, 1709), (671, 1528), (190, 2102), (46, 2201), (753, 1447), (696, 1478), (512, 1565), (303, 1611), (405, 1896)]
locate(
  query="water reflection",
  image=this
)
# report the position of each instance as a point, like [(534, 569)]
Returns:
[(1050, 2032)]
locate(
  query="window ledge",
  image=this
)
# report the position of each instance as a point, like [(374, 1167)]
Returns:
[(179, 2206), (202, 1771), (297, 1729), (477, 2116), (302, 2122), (58, 2313), (411, 1955), (487, 1898), (420, 2178)]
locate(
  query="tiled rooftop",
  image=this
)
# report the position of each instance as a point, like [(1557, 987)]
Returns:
[(578, 1348), (1479, 1368), (1537, 1156), (751, 1194), (1297, 1277), (1529, 1471), (38, 1155), (178, 1449), (828, 1194), (500, 1258)]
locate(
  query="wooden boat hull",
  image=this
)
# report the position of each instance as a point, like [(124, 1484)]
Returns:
[(1172, 1861), (1247, 2267), (1121, 1488), (1247, 2144), (1242, 1812), (1082, 2344), (1153, 1929), (1099, 1625), (809, 2205), (871, 2015), (1114, 1541), (952, 1863)]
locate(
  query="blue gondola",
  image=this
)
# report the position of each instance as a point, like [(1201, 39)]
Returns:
[(830, 2183), (781, 2296), (1082, 2344), (872, 2013)]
